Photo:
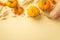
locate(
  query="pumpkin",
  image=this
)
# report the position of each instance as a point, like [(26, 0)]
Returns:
[(11, 3), (18, 11), (3, 4), (44, 4), (33, 11)]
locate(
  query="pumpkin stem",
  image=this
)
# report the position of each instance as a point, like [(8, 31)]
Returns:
[(10, 1), (44, 2)]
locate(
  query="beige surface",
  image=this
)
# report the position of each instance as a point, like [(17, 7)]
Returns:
[(24, 28)]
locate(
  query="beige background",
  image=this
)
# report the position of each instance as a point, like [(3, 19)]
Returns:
[(24, 28)]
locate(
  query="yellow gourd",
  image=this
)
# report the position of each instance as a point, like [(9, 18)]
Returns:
[(33, 11)]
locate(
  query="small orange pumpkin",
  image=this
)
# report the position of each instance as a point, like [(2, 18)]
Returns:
[(12, 3), (44, 4), (3, 4), (18, 11)]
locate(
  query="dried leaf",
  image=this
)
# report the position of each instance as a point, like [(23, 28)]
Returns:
[(27, 2)]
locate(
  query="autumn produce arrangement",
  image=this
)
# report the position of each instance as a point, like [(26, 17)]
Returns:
[(48, 8)]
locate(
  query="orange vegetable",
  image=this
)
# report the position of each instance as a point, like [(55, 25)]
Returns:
[(12, 3), (18, 11), (33, 11), (44, 4), (3, 4)]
